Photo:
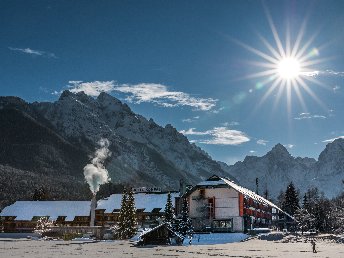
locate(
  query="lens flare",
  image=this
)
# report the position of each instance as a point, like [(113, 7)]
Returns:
[(285, 66)]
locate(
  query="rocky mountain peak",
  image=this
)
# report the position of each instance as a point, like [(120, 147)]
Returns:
[(279, 151), (65, 94), (107, 101), (334, 151)]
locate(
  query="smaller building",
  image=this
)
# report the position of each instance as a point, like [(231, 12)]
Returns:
[(22, 216), (161, 235)]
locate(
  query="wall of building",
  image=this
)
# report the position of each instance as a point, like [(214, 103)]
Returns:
[(226, 207)]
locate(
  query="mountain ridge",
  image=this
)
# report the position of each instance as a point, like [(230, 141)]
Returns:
[(144, 153), (277, 168)]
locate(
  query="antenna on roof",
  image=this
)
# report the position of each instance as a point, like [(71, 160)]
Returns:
[(256, 185)]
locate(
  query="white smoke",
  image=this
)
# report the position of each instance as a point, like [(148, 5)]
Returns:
[(95, 173)]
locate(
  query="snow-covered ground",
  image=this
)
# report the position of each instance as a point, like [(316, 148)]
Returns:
[(254, 248)]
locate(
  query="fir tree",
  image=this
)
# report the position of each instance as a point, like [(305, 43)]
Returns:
[(127, 215), (122, 218), (184, 225), (169, 209), (305, 203), (131, 215), (291, 202), (304, 219), (40, 194)]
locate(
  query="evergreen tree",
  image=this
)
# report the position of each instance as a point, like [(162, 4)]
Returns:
[(337, 214), (291, 202), (122, 221), (127, 215), (305, 203), (280, 199), (169, 211), (304, 219), (131, 215), (40, 194), (184, 225)]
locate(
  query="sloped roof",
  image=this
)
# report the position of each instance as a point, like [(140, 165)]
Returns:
[(159, 226), (146, 201), (26, 210)]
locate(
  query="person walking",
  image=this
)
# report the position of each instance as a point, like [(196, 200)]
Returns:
[(313, 246)]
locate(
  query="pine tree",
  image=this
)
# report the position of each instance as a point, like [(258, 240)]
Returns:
[(184, 225), (131, 215), (291, 202), (305, 203), (280, 199), (169, 209), (304, 219), (40, 194), (122, 218)]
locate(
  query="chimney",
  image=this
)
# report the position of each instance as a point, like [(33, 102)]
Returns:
[(93, 210)]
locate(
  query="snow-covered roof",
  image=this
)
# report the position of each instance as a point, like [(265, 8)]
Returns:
[(146, 201), (253, 195), (212, 183), (26, 210), (161, 225)]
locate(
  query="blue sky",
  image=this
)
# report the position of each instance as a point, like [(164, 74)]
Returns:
[(190, 64)]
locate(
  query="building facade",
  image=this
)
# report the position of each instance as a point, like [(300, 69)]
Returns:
[(220, 205)]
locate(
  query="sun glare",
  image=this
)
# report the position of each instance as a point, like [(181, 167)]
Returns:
[(286, 66), (289, 68)]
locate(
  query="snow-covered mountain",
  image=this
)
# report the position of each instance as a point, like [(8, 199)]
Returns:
[(278, 168), (144, 153)]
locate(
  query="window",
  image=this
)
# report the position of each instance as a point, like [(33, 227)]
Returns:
[(223, 224)]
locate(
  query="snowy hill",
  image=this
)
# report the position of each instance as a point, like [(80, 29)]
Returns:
[(278, 168)]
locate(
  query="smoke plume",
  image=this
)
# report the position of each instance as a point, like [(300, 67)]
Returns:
[(95, 173)]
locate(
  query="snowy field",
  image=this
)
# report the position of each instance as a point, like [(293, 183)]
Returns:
[(122, 249)]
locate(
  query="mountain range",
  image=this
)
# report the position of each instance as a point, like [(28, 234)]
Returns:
[(48, 144)]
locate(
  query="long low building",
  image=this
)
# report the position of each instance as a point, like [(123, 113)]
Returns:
[(22, 216)]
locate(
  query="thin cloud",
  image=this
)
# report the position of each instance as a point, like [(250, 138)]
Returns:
[(262, 142), (192, 131), (91, 88), (303, 116), (252, 151), (336, 88), (289, 146), (219, 136), (33, 52), (331, 140), (160, 95), (233, 123), (322, 73), (145, 92), (190, 120)]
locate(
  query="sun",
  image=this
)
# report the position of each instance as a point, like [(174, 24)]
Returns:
[(286, 68), (289, 68)]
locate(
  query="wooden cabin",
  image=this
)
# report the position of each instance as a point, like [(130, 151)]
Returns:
[(161, 235)]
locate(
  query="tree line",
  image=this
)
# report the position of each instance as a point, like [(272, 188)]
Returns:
[(313, 210)]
